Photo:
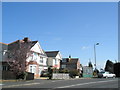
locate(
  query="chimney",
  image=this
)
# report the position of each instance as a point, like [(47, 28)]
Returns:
[(26, 39), (69, 57)]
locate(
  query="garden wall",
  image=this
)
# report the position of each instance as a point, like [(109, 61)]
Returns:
[(60, 76)]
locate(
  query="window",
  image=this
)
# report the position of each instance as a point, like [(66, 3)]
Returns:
[(63, 66), (64, 60), (106, 72), (41, 59), (4, 52), (4, 68), (32, 69), (55, 61), (35, 56)]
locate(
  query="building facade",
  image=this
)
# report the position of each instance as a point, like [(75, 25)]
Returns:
[(70, 63), (36, 61), (54, 59)]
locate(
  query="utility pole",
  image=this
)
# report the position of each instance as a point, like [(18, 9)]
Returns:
[(95, 53)]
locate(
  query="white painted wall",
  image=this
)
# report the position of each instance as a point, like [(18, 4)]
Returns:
[(50, 61), (55, 61), (37, 48), (59, 56), (36, 55), (41, 68), (44, 61)]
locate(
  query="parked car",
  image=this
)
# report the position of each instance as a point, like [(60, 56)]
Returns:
[(106, 75), (44, 74)]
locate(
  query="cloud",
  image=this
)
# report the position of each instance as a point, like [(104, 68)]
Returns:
[(85, 47)]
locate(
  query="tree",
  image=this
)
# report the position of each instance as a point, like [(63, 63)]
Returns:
[(90, 64), (18, 52), (50, 71), (95, 72), (74, 73), (109, 66)]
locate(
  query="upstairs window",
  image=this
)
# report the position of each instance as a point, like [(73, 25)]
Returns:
[(41, 59), (34, 56), (55, 61), (63, 66), (64, 60)]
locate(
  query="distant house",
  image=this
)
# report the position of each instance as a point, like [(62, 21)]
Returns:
[(70, 63), (54, 58), (37, 61), (3, 56), (87, 71)]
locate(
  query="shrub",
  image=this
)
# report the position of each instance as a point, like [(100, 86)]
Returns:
[(74, 73)]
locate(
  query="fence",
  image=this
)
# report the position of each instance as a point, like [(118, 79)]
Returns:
[(60, 76), (30, 76), (10, 75)]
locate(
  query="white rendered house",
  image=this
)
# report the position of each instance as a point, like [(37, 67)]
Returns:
[(54, 58)]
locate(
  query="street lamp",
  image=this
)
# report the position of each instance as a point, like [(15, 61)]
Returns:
[(95, 53)]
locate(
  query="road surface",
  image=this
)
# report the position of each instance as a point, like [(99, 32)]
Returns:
[(71, 83)]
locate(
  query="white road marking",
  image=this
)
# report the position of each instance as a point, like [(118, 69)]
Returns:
[(28, 81), (53, 81), (22, 85), (1, 84), (85, 84)]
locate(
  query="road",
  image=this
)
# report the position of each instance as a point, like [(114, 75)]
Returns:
[(71, 83)]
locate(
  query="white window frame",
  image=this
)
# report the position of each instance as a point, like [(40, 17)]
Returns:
[(41, 59), (63, 66), (34, 68)]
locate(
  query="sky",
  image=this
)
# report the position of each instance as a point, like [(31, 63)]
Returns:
[(70, 27)]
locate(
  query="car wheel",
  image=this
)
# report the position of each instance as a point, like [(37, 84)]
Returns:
[(113, 76), (106, 77)]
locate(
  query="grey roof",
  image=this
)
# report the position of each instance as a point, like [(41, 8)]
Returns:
[(72, 60), (16, 44), (51, 53), (3, 46)]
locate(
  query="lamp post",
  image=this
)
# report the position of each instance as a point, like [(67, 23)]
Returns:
[(95, 53)]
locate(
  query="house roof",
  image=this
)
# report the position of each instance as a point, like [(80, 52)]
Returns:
[(51, 53), (32, 43), (72, 60), (27, 40), (3, 43), (3, 46)]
